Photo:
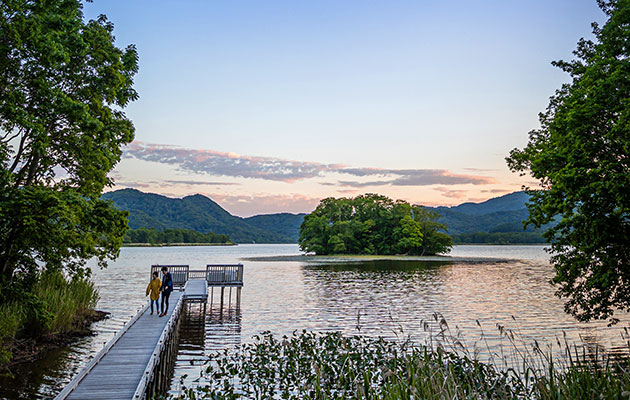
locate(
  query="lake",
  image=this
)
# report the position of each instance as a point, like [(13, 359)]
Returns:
[(394, 299)]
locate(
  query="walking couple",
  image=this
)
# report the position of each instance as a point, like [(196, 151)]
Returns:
[(165, 287)]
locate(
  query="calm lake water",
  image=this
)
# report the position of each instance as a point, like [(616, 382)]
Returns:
[(394, 299)]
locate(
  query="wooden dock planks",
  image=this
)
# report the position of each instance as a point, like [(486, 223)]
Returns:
[(124, 367), (117, 374), (196, 290)]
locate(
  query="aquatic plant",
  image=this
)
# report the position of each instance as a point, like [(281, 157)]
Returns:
[(309, 365)]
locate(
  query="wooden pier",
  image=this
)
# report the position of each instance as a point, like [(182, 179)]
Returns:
[(138, 362)]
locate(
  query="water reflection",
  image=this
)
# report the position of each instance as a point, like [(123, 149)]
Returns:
[(478, 301), (204, 330), (394, 299)]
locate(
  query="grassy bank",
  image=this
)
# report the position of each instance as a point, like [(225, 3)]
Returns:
[(55, 307), (332, 366)]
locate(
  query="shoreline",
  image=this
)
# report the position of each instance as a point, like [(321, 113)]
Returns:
[(353, 258), (176, 244), (30, 350)]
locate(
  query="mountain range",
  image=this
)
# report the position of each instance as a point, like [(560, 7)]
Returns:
[(148, 210)]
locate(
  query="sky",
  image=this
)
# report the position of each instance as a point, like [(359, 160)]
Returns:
[(271, 106)]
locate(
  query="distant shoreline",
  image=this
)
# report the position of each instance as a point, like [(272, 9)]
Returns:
[(353, 258), (175, 244)]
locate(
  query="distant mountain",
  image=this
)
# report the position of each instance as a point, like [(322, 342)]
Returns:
[(509, 202), (285, 224), (499, 214), (147, 210), (197, 212)]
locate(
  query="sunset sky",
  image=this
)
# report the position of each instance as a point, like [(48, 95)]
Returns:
[(270, 106)]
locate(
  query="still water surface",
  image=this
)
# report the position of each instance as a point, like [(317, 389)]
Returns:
[(394, 299)]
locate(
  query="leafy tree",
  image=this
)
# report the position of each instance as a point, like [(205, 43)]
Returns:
[(63, 85), (372, 224), (435, 239), (152, 236), (581, 157)]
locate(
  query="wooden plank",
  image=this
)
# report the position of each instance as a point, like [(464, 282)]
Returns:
[(118, 372)]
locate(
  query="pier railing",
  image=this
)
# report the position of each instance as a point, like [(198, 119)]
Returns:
[(156, 374), (215, 274), (224, 275), (179, 273), (99, 356)]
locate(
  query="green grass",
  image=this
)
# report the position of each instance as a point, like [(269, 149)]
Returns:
[(66, 302), (54, 306), (331, 366)]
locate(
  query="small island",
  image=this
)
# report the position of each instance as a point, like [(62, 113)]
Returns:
[(373, 224)]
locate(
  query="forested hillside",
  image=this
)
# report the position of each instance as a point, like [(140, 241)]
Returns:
[(285, 224), (197, 212), (498, 220)]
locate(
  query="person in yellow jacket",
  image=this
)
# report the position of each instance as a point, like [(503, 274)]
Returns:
[(154, 290)]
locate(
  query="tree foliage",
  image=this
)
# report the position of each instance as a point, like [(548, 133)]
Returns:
[(581, 156), (63, 85), (152, 236), (372, 224)]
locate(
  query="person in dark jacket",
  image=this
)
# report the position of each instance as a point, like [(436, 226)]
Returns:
[(167, 288)]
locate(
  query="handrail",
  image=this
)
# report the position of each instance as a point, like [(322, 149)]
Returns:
[(141, 388), (99, 356)]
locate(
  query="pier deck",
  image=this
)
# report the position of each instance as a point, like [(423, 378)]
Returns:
[(122, 366), (134, 362)]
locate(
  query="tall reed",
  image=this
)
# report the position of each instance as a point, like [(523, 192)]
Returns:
[(54, 306), (307, 365), (67, 301)]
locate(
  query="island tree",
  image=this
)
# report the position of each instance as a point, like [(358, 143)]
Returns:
[(63, 86), (372, 224), (581, 157)]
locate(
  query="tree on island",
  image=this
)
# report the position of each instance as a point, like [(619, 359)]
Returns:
[(63, 85), (372, 224), (581, 156)]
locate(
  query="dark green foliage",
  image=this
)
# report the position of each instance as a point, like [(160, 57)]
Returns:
[(372, 224), (63, 84), (581, 156), (152, 236), (148, 210), (331, 366), (198, 213), (52, 305)]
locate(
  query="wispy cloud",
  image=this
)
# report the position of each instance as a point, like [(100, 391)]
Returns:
[(275, 169), (454, 194), (261, 203), (495, 191), (226, 164), (192, 183), (132, 185)]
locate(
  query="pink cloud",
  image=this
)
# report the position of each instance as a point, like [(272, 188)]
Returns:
[(248, 205), (275, 169)]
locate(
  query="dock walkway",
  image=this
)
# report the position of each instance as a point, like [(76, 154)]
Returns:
[(133, 364)]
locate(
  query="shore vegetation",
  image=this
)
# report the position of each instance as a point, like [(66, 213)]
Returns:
[(372, 224), (63, 88), (54, 307), (580, 157), (173, 236), (309, 365)]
